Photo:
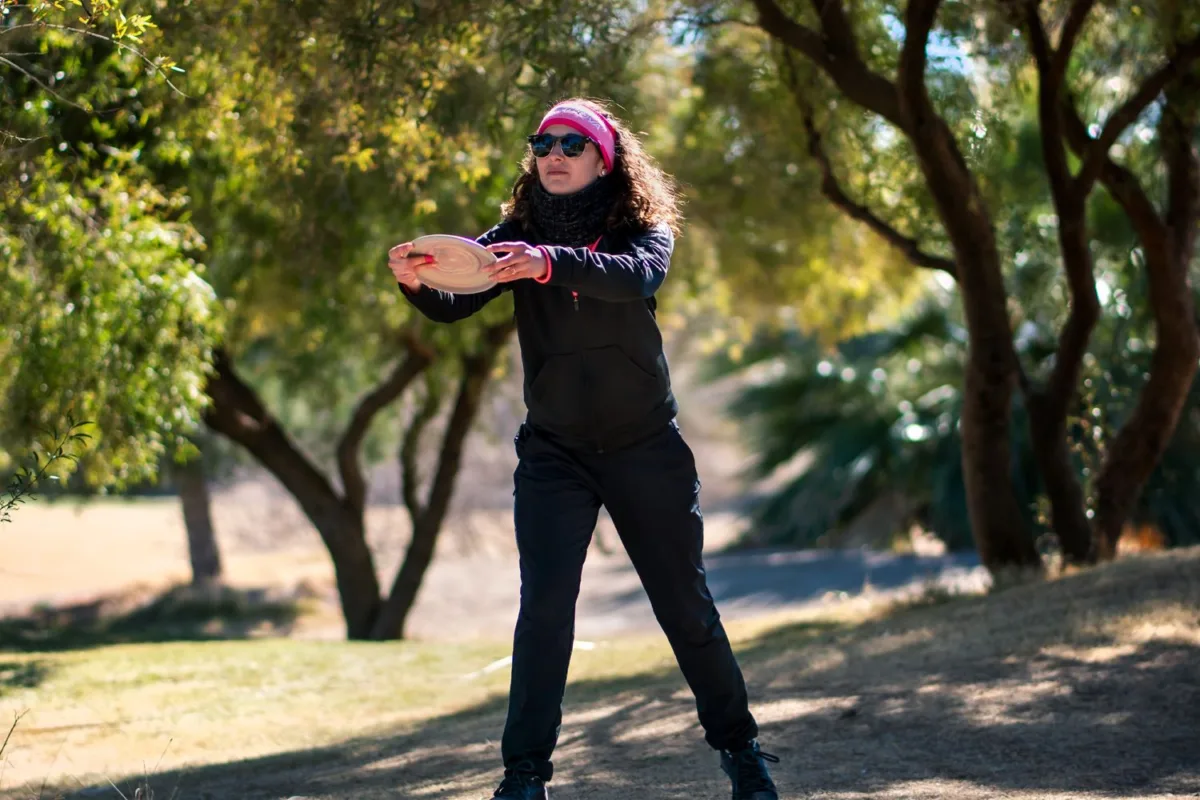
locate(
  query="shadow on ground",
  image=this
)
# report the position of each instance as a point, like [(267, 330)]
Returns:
[(1035, 692), (182, 613), (16, 675)]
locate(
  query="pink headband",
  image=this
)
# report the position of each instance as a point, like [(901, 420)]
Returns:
[(587, 122)]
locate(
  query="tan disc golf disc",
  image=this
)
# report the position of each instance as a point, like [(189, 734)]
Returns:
[(460, 263)]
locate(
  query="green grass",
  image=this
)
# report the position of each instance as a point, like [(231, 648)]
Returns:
[(117, 708), (936, 697)]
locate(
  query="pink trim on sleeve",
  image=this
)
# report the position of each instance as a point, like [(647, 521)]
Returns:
[(549, 265)]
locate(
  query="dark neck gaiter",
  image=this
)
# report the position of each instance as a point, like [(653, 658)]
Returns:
[(572, 220)]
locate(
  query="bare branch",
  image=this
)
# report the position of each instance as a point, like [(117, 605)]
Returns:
[(237, 412), (21, 27), (1039, 42), (409, 450), (832, 190), (476, 368), (862, 86), (7, 136), (419, 553), (117, 43), (41, 84), (1128, 112), (703, 23), (931, 136), (1077, 14), (354, 485)]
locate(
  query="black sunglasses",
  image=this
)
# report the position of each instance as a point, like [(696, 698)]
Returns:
[(573, 144)]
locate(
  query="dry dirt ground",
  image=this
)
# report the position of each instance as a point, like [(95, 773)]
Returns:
[(124, 554), (1087, 686), (114, 555), (71, 554)]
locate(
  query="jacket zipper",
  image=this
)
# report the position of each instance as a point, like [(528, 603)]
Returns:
[(574, 294)]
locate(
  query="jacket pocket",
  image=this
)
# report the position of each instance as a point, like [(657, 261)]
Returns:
[(620, 390), (555, 396)]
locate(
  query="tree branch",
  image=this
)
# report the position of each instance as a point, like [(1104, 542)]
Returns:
[(410, 449), (44, 87), (1122, 184), (1069, 203), (919, 17), (379, 398), (476, 368), (237, 412), (1077, 14), (1139, 444), (1128, 112), (839, 33), (931, 136), (156, 67), (864, 87), (1051, 68), (832, 190), (470, 393), (773, 20), (1178, 132)]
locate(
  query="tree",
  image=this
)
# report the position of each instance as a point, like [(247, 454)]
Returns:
[(853, 52), (760, 233), (196, 504), (300, 193), (311, 137), (877, 418), (93, 256), (1127, 467)]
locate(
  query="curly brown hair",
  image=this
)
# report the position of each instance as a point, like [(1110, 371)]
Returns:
[(646, 196)]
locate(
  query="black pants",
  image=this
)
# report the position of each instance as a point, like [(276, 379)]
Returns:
[(652, 495)]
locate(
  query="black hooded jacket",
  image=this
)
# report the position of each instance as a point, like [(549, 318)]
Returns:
[(595, 373)]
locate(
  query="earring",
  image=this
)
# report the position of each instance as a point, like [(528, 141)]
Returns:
[(603, 172)]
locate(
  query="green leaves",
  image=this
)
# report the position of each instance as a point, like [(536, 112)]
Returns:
[(110, 321), (23, 483), (754, 192)]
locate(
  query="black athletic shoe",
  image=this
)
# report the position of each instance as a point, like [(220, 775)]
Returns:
[(747, 770), (521, 782)]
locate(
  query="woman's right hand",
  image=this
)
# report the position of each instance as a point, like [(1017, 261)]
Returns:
[(405, 266)]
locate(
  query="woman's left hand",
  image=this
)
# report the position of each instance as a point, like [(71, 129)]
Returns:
[(523, 261)]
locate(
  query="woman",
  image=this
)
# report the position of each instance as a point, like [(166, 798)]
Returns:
[(586, 241)]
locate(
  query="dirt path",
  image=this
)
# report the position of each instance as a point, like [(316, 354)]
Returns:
[(60, 555), (466, 598), (1084, 687)]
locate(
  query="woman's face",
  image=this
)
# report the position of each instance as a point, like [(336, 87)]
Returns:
[(562, 175)]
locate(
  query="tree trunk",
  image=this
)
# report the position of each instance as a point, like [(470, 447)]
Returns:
[(1135, 451), (1060, 480), (1050, 406), (203, 552), (997, 521), (1167, 247), (427, 519), (237, 412)]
